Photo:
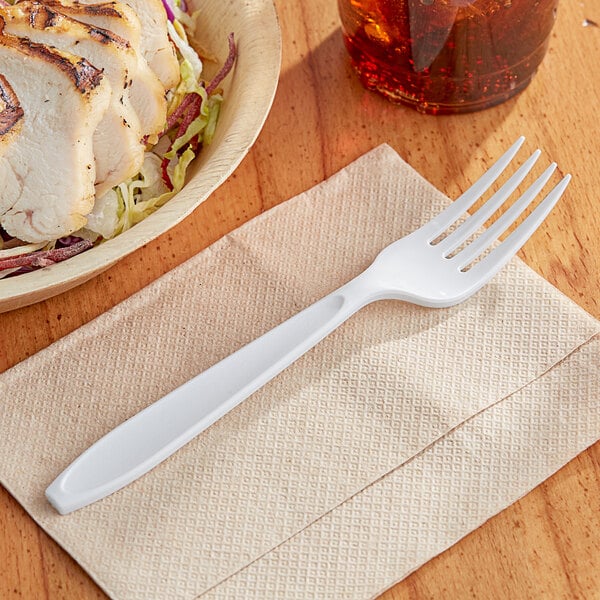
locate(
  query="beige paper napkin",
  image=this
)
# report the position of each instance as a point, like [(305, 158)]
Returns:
[(401, 413)]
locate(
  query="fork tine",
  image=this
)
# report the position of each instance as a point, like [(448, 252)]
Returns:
[(500, 255), (478, 218), (487, 238), (448, 216)]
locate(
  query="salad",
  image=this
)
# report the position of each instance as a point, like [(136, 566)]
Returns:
[(193, 107)]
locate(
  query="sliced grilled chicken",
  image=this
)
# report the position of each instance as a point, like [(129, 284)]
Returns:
[(155, 44), (11, 115), (118, 147), (47, 176), (147, 92), (115, 16)]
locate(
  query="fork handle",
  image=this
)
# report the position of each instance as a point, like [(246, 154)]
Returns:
[(149, 437)]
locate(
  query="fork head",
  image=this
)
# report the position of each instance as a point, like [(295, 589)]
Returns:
[(437, 268)]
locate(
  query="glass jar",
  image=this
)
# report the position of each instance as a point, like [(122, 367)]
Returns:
[(447, 56)]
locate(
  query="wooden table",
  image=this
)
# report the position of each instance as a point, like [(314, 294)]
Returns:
[(548, 544)]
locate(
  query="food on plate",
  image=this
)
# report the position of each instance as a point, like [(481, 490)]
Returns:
[(63, 99), (103, 106)]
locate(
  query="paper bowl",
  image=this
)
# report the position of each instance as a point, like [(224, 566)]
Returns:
[(248, 91)]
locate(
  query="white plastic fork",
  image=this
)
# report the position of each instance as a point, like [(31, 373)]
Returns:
[(423, 267)]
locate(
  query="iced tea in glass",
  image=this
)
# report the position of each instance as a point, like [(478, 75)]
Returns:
[(447, 56)]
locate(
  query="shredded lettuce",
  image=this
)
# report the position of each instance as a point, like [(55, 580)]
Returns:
[(103, 220), (214, 107), (188, 84), (179, 38), (195, 128)]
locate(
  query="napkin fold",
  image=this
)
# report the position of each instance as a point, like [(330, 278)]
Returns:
[(392, 439)]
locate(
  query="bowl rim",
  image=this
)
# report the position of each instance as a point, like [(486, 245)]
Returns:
[(236, 141)]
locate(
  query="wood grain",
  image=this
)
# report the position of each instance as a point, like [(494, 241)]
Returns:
[(547, 545)]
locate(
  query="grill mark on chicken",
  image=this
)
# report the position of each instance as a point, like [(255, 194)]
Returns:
[(102, 35), (87, 76), (11, 111), (104, 9), (101, 9), (83, 74), (44, 17)]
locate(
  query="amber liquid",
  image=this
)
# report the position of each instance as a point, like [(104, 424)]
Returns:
[(447, 56)]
